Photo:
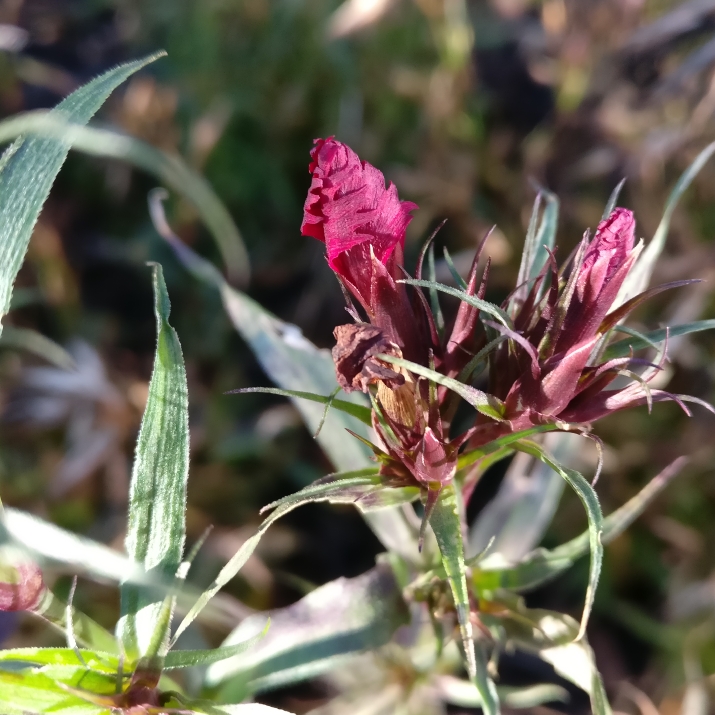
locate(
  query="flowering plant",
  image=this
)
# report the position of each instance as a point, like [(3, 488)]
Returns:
[(431, 405), (548, 354)]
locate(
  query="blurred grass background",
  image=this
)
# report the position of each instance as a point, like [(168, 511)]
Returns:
[(464, 104)]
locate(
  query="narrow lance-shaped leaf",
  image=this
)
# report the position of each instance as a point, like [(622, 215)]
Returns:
[(315, 634), (613, 199), (360, 412), (170, 169), (185, 658), (541, 566), (587, 495), (622, 348), (28, 169), (640, 274), (483, 305), (157, 497), (338, 488), (546, 236), (446, 524)]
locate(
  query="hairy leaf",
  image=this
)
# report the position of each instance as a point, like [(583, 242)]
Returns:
[(157, 496), (170, 169), (446, 523), (589, 499), (28, 169)]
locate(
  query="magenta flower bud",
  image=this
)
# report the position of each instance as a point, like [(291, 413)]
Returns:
[(606, 263), (21, 587), (349, 208), (362, 223)]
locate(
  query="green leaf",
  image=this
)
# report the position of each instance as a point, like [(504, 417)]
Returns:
[(364, 488), (546, 236), (103, 662), (316, 634), (38, 344), (639, 276), (187, 658), (28, 169), (35, 691), (433, 297), (170, 169), (360, 412), (341, 488), (589, 499), (460, 282), (157, 495), (87, 632), (612, 199), (542, 566), (494, 310), (481, 401), (294, 363), (522, 509), (445, 521), (622, 348), (46, 542), (534, 254)]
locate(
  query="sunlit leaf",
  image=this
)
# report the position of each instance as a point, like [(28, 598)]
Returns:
[(157, 496), (315, 634), (622, 348), (445, 521), (339, 488), (464, 694), (34, 691), (170, 169), (28, 169), (361, 412), (185, 658), (541, 566), (103, 662)]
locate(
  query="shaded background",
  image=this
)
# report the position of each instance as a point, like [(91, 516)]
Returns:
[(465, 105)]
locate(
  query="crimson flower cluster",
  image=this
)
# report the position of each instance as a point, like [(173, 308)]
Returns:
[(544, 365)]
